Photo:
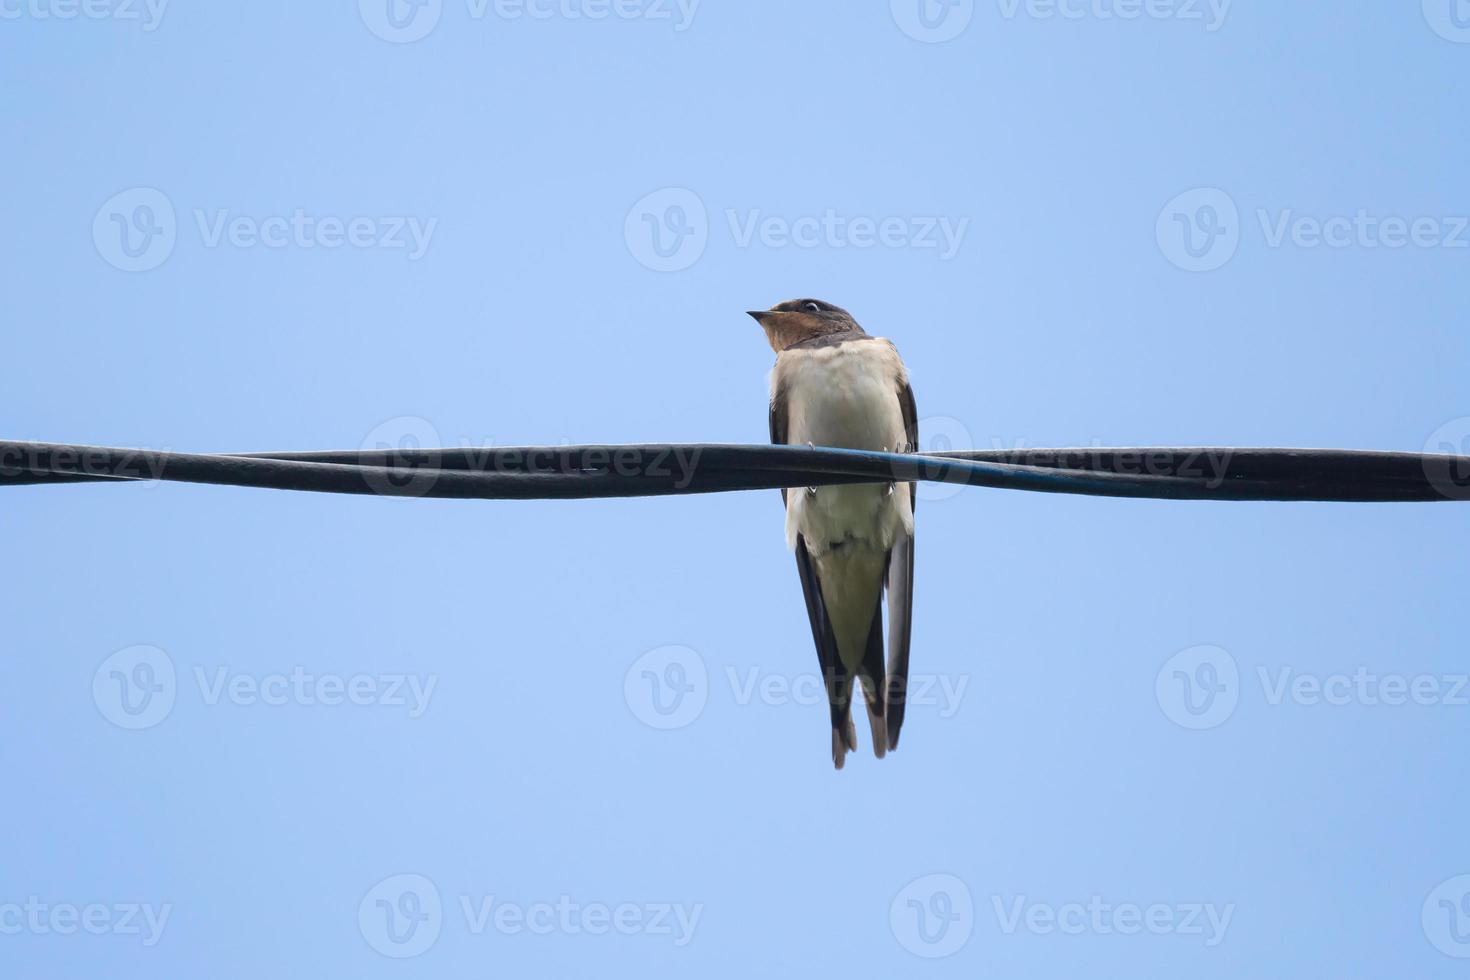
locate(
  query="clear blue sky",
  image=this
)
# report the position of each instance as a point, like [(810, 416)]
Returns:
[(459, 692)]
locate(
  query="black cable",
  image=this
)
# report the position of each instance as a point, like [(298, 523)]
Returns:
[(560, 472)]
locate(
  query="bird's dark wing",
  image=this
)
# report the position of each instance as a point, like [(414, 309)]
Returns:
[(835, 675), (778, 420), (910, 421), (900, 586)]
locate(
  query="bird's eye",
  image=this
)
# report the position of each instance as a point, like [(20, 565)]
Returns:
[(811, 307)]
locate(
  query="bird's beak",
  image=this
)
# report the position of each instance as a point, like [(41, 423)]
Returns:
[(759, 315)]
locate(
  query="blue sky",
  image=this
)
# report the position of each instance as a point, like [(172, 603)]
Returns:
[(250, 732)]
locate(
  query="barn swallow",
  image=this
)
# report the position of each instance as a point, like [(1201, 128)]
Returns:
[(834, 385)]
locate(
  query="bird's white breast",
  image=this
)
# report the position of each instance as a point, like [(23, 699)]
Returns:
[(845, 396)]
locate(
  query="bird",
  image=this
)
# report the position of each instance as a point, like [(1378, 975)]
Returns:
[(834, 385)]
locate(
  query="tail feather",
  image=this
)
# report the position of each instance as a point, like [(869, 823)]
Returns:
[(873, 675), (844, 740), (839, 698), (900, 589)]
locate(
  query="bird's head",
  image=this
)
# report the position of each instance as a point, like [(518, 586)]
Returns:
[(797, 320)]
